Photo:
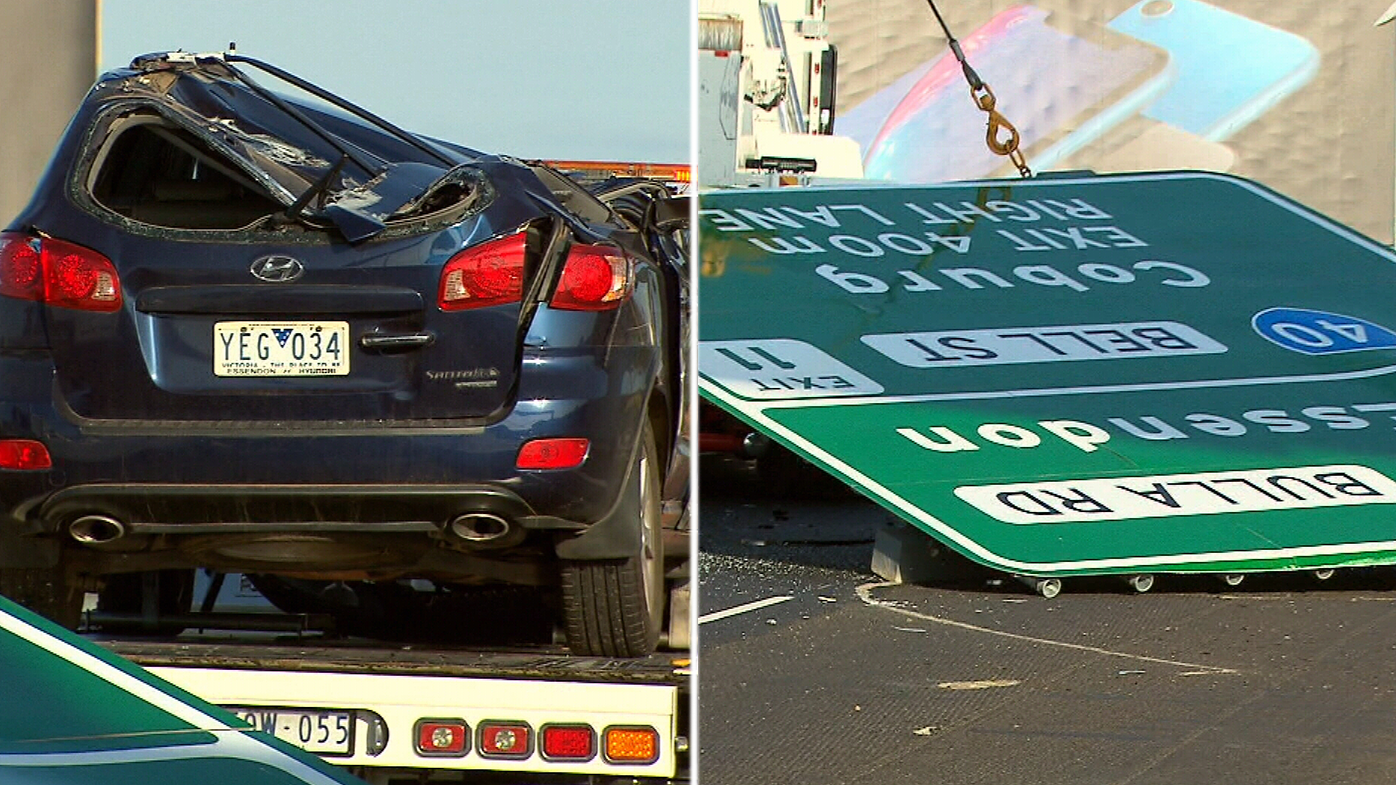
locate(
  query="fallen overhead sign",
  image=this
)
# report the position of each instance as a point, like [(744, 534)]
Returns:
[(1119, 374)]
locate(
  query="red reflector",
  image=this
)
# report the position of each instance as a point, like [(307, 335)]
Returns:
[(442, 737), (483, 275), (595, 278), (506, 740), (58, 273), (553, 453), (632, 744), (24, 454), (570, 742)]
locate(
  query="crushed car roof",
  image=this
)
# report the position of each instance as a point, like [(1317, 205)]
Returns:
[(337, 163)]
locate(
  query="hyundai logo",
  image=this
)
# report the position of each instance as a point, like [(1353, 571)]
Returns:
[(277, 268)]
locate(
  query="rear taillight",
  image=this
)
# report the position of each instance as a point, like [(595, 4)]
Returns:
[(483, 275), (568, 742), (24, 455), (21, 267), (595, 278), (57, 273)]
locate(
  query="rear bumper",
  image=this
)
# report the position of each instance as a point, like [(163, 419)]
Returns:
[(368, 477), (227, 509)]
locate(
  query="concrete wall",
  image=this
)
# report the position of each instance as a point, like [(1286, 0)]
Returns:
[(48, 60)]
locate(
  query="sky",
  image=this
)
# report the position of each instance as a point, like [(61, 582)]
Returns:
[(560, 79)]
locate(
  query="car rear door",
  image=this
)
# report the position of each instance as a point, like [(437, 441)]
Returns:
[(219, 330)]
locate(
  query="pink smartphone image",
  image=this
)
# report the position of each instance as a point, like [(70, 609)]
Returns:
[(1060, 85)]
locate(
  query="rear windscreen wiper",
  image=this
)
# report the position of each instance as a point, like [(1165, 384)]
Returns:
[(317, 189), (325, 95), (314, 127), (355, 221)]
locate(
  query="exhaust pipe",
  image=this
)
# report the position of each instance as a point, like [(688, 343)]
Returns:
[(96, 529), (480, 527)]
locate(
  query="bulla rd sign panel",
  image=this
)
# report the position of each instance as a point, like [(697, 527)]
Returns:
[(1171, 372)]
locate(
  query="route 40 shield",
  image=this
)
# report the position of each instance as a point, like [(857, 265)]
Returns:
[(1170, 372)]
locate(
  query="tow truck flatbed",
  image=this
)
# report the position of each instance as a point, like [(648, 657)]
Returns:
[(422, 711), (386, 711)]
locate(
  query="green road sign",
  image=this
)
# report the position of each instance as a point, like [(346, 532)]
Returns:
[(74, 713), (1167, 372)]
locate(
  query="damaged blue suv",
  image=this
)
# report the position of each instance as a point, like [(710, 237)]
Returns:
[(283, 337)]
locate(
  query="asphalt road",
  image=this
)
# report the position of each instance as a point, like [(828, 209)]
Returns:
[(822, 673)]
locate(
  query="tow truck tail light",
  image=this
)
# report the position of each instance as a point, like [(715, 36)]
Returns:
[(488, 274), (447, 737), (631, 745), (505, 739), (24, 455), (58, 273), (564, 453), (595, 278), (568, 742)]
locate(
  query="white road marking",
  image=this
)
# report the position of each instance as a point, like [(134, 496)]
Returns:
[(980, 685), (747, 608), (865, 594)]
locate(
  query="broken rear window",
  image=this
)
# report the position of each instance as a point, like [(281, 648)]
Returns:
[(154, 172)]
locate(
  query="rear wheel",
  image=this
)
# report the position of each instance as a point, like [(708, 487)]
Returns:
[(47, 591), (615, 607)]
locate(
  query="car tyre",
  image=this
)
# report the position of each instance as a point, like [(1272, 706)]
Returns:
[(615, 607), (47, 591)]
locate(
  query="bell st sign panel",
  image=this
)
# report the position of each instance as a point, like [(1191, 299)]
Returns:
[(1171, 372)]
